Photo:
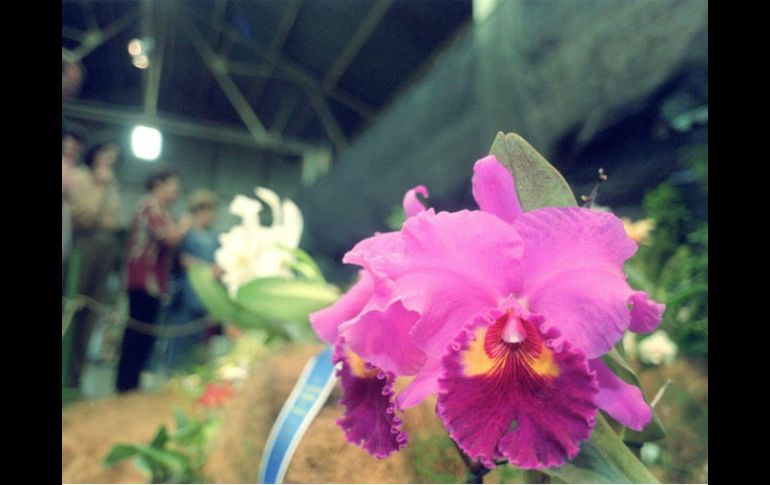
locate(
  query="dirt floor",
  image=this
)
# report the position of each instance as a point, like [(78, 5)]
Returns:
[(683, 410), (89, 429), (323, 456)]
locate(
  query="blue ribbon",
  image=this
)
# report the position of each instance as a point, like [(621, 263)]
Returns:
[(305, 401)]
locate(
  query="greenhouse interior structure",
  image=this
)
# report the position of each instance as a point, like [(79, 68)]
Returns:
[(384, 241)]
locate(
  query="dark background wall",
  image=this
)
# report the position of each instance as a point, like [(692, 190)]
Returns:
[(588, 83)]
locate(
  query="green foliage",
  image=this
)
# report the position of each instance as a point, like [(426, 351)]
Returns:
[(685, 452), (304, 265), (696, 157), (663, 204), (286, 299), (277, 305), (176, 457), (654, 430), (511, 474), (435, 459), (395, 218), (212, 293), (603, 459), (538, 183), (673, 267)]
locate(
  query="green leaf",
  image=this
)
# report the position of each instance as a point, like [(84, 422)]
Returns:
[(619, 366), (143, 465), (167, 459), (690, 292), (160, 439), (263, 302), (292, 299), (636, 277), (654, 430), (180, 419), (189, 434), (538, 183), (210, 291), (603, 459), (118, 453), (246, 319), (304, 265)]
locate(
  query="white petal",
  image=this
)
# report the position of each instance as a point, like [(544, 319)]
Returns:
[(272, 199), (246, 208), (292, 223)]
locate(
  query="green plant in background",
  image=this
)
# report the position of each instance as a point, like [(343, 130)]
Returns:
[(233, 366), (435, 459), (176, 457), (395, 218), (673, 267)]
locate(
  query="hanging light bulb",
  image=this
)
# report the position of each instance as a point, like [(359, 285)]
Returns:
[(139, 50), (141, 61), (135, 47)]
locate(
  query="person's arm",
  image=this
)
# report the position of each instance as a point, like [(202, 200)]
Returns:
[(86, 200), (177, 231), (165, 229)]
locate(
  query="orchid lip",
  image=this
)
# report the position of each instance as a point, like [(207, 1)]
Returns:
[(514, 331)]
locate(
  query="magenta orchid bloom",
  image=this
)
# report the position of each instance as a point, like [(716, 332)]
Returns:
[(503, 314)]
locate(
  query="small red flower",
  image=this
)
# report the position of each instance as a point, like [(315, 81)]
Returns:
[(216, 395)]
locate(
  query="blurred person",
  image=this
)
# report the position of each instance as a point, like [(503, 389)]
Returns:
[(95, 205), (72, 74), (73, 139), (198, 246), (152, 237)]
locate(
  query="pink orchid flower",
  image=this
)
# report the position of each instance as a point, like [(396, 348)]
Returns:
[(503, 314)]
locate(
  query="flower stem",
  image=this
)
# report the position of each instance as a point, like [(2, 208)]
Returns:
[(589, 199), (476, 470), (476, 473)]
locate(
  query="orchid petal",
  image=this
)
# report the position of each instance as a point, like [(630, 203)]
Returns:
[(494, 190)]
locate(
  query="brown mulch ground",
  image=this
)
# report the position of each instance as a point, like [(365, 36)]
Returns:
[(683, 410), (323, 456), (89, 429)]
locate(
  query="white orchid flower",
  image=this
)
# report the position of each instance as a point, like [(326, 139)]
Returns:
[(657, 349), (246, 208), (251, 250), (629, 344), (230, 372), (272, 200)]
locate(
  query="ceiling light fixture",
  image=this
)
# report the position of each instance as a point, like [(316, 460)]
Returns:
[(146, 143)]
